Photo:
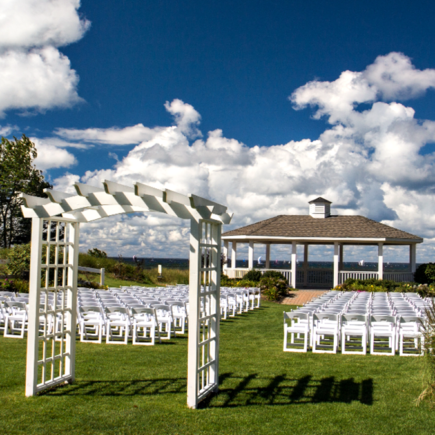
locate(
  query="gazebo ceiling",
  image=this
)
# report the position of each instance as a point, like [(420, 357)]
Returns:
[(351, 229)]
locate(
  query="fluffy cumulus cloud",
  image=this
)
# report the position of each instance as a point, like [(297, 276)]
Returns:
[(34, 75), (368, 161), (50, 156)]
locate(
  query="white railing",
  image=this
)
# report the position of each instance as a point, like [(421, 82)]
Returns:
[(92, 270), (393, 276), (399, 276), (240, 272), (343, 276)]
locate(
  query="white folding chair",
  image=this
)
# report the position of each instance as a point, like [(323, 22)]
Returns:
[(325, 325), (354, 326), (411, 327), (382, 328), (91, 324), (15, 319), (117, 325), (299, 325), (164, 319), (179, 316), (144, 320)]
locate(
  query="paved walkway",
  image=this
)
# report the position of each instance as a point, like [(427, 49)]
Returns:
[(301, 297)]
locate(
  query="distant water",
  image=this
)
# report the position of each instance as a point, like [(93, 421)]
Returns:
[(183, 263)]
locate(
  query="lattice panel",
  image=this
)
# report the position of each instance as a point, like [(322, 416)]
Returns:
[(53, 295), (207, 324)]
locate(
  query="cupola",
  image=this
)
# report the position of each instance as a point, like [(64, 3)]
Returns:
[(320, 208)]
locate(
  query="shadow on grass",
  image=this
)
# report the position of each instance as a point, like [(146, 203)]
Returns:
[(235, 391), (135, 387), (252, 389)]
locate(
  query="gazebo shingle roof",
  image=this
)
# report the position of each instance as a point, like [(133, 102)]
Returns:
[(331, 227)]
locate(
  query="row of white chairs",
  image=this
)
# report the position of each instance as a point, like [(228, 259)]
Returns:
[(139, 313), (385, 323)]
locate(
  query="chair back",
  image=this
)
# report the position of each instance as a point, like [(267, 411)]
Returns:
[(291, 315), (354, 318), (382, 319), (325, 317)]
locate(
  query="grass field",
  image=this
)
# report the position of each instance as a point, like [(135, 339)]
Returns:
[(142, 390)]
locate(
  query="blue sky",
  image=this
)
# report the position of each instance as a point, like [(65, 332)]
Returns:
[(78, 76)]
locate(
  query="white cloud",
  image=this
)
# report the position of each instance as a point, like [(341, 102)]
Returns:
[(50, 157), (66, 183), (186, 117), (110, 136), (6, 130), (40, 79), (367, 162), (39, 23), (34, 75), (57, 142)]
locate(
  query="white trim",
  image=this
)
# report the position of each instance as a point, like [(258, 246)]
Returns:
[(265, 239)]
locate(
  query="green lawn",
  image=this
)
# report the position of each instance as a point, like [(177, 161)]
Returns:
[(133, 389)]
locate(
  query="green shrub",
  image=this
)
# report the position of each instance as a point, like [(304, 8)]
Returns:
[(19, 260), (97, 253), (14, 285), (273, 288), (253, 275), (425, 273), (274, 274)]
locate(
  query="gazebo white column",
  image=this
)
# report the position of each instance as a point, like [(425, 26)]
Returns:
[(251, 255), (336, 262), (305, 264), (413, 257), (380, 261), (340, 264), (294, 258), (233, 254), (268, 256), (225, 253)]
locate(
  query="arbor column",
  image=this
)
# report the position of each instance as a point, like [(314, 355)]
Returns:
[(413, 257), (294, 258), (380, 261), (305, 264), (336, 263), (268, 256), (233, 254), (251, 255)]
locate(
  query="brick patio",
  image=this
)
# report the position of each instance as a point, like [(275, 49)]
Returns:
[(301, 297)]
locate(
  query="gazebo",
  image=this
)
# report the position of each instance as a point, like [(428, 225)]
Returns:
[(319, 227)]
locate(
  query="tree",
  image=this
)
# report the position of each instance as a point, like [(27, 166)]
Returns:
[(17, 174)]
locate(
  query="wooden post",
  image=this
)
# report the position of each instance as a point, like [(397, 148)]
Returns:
[(251, 255), (102, 270), (294, 258), (33, 320), (267, 255), (336, 266), (380, 261), (194, 306), (413, 257), (233, 254), (306, 264), (225, 253)]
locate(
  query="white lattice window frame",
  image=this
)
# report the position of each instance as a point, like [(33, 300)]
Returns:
[(52, 322)]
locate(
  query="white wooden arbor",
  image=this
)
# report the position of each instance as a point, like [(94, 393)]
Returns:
[(53, 269)]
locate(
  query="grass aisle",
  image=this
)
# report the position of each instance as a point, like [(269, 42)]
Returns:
[(126, 389)]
